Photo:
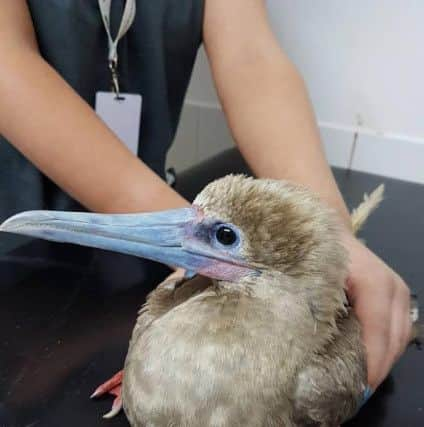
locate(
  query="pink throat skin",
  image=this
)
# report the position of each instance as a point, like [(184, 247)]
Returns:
[(222, 271)]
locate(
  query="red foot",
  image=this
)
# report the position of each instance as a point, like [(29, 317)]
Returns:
[(113, 387)]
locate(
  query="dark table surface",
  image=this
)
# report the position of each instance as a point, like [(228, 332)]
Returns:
[(66, 313)]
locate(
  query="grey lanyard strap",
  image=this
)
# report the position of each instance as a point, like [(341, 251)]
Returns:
[(126, 22)]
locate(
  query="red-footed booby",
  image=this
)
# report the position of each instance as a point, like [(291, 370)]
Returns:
[(258, 332)]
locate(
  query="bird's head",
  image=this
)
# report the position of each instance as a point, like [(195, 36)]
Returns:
[(239, 230), (269, 226), (281, 235)]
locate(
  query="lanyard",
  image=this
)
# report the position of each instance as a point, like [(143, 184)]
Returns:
[(126, 22)]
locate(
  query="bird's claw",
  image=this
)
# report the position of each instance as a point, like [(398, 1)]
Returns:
[(116, 406), (113, 387)]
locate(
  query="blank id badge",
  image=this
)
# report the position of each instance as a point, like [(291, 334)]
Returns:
[(122, 114)]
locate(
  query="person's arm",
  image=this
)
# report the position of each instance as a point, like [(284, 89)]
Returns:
[(42, 116), (267, 107)]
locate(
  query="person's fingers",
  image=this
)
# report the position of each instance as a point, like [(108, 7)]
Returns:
[(408, 318), (376, 349), (407, 332), (396, 337), (373, 316), (397, 331), (380, 299), (178, 273), (400, 329), (376, 362), (409, 329), (405, 327)]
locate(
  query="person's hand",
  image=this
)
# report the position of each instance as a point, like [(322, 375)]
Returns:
[(381, 300), (178, 273)]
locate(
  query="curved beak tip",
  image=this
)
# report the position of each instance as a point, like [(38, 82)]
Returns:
[(10, 223), (21, 220)]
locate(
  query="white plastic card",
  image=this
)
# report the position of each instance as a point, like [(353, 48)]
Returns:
[(122, 115)]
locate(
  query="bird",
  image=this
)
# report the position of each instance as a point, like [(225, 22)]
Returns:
[(255, 329)]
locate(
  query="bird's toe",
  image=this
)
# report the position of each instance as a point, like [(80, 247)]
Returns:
[(113, 387)]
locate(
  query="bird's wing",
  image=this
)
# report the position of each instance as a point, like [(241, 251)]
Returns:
[(173, 291), (330, 389)]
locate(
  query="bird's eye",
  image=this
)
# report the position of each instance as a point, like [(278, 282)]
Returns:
[(225, 235)]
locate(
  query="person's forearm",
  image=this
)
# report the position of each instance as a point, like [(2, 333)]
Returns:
[(275, 130), (57, 131), (267, 105)]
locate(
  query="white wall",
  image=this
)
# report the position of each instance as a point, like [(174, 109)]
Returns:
[(363, 62)]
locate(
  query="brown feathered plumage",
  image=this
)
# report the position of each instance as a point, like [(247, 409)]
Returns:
[(267, 340), (279, 349)]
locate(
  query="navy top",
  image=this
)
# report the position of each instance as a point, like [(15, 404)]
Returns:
[(156, 59)]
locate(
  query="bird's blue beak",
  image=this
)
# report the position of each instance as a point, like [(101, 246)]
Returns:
[(166, 237)]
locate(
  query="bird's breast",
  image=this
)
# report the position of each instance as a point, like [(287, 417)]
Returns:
[(213, 358)]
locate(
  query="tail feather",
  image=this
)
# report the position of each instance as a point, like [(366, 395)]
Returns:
[(364, 210)]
